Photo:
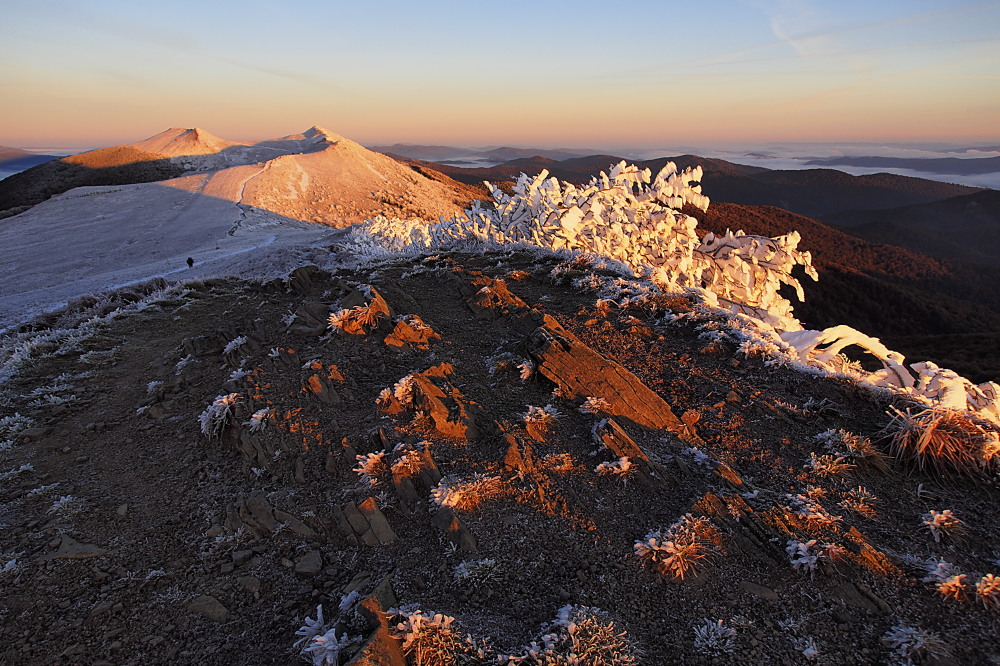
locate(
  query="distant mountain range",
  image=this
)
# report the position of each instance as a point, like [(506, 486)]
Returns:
[(942, 165), (15, 159), (490, 154)]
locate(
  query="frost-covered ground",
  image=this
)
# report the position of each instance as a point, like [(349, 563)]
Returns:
[(96, 238)]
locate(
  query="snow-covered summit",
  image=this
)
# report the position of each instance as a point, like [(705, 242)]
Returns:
[(178, 142)]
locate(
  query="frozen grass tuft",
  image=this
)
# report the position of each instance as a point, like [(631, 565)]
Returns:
[(807, 555), (679, 549), (372, 467), (988, 591), (583, 636), (217, 415), (594, 405), (911, 645), (941, 441), (434, 640), (713, 638), (941, 524), (466, 494), (826, 466), (319, 643)]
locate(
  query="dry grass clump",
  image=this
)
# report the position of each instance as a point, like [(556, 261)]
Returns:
[(914, 645), (988, 591), (941, 441), (679, 549), (434, 641), (580, 636), (357, 320), (466, 494), (942, 523)]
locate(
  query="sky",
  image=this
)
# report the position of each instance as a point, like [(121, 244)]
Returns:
[(471, 73)]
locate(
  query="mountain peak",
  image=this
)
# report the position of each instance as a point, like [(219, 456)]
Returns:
[(178, 141)]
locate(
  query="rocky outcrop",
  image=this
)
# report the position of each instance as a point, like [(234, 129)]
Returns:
[(580, 372)]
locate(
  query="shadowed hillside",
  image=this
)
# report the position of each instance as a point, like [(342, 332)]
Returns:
[(905, 298), (965, 228), (118, 165)]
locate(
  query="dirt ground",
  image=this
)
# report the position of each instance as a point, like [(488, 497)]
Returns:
[(138, 539)]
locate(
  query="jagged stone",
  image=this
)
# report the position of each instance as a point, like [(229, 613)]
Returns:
[(311, 320), (380, 648), (411, 331), (359, 524), (518, 456), (754, 536), (446, 520), (210, 608), (379, 525), (493, 300), (374, 313), (309, 564), (295, 525), (71, 549), (33, 434), (300, 470), (162, 410), (620, 444), (259, 514), (579, 371), (432, 395), (207, 345), (322, 388)]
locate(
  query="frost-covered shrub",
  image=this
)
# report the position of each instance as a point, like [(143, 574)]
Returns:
[(942, 523), (853, 448), (319, 643), (402, 391), (27, 467), (466, 494), (258, 420), (594, 405), (941, 441), (714, 638), (234, 344), (540, 419), (9, 569), (912, 645), (809, 509), (67, 506), (859, 500), (360, 318), (433, 640), (218, 415), (826, 465), (10, 427), (477, 572), (988, 591), (807, 646), (580, 636), (623, 469), (372, 467), (679, 549), (409, 457), (946, 578), (527, 370), (807, 555)]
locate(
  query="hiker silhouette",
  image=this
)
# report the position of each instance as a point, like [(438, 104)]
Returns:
[(190, 262)]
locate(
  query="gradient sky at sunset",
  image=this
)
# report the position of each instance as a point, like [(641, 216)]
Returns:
[(580, 73)]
